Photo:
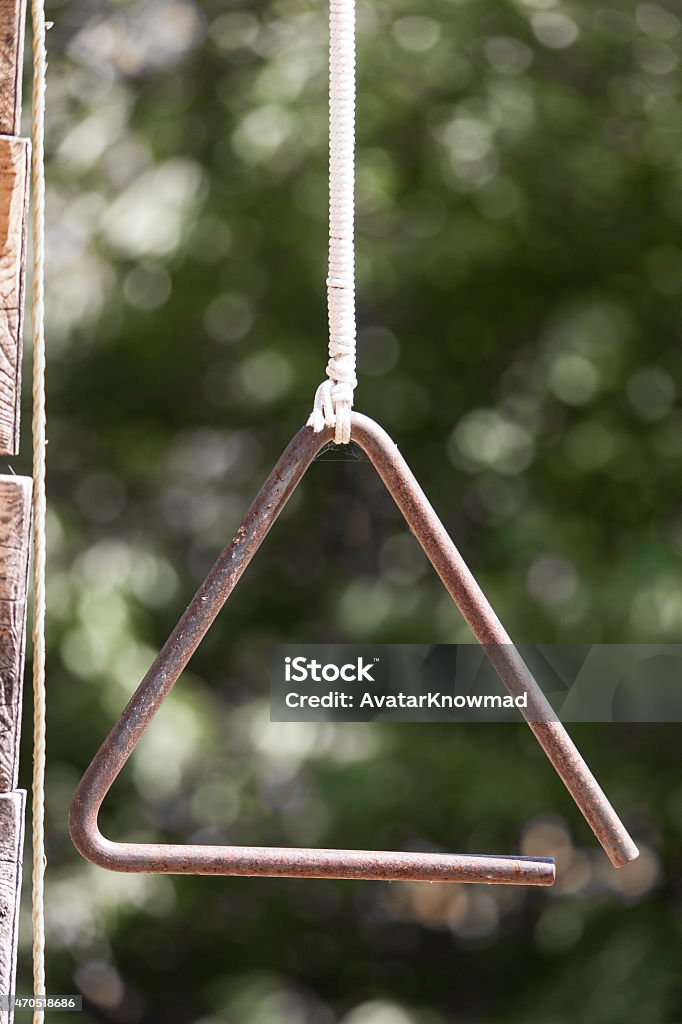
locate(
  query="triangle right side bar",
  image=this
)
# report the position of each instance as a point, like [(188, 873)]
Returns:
[(488, 630)]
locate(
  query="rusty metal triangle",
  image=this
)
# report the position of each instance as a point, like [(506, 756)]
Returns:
[(192, 627)]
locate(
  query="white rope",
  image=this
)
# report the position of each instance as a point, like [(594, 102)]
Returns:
[(39, 500), (334, 397)]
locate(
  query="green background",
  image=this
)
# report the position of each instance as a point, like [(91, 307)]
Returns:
[(519, 191)]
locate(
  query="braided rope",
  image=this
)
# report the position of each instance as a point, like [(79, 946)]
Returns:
[(334, 397), (39, 499)]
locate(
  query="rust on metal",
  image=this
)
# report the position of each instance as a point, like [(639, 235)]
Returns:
[(190, 630)]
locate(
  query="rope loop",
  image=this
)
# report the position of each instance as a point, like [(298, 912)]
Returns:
[(334, 397)]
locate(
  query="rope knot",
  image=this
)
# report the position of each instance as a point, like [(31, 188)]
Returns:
[(332, 406)]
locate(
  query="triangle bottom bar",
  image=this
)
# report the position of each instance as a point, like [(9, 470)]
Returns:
[(291, 862)]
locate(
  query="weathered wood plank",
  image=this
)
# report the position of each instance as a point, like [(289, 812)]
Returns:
[(14, 189), (15, 542), (12, 20), (12, 808)]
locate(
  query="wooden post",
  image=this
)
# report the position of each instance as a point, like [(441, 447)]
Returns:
[(12, 807), (12, 20), (15, 541), (14, 189), (15, 492), (15, 533)]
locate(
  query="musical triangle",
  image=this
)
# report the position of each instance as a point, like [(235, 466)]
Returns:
[(318, 863)]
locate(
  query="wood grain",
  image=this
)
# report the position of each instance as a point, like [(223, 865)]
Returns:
[(12, 807), (12, 20), (14, 189), (15, 542)]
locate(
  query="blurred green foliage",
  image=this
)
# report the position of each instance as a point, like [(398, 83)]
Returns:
[(519, 281)]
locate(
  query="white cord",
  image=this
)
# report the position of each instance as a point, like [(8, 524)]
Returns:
[(39, 502), (334, 397)]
